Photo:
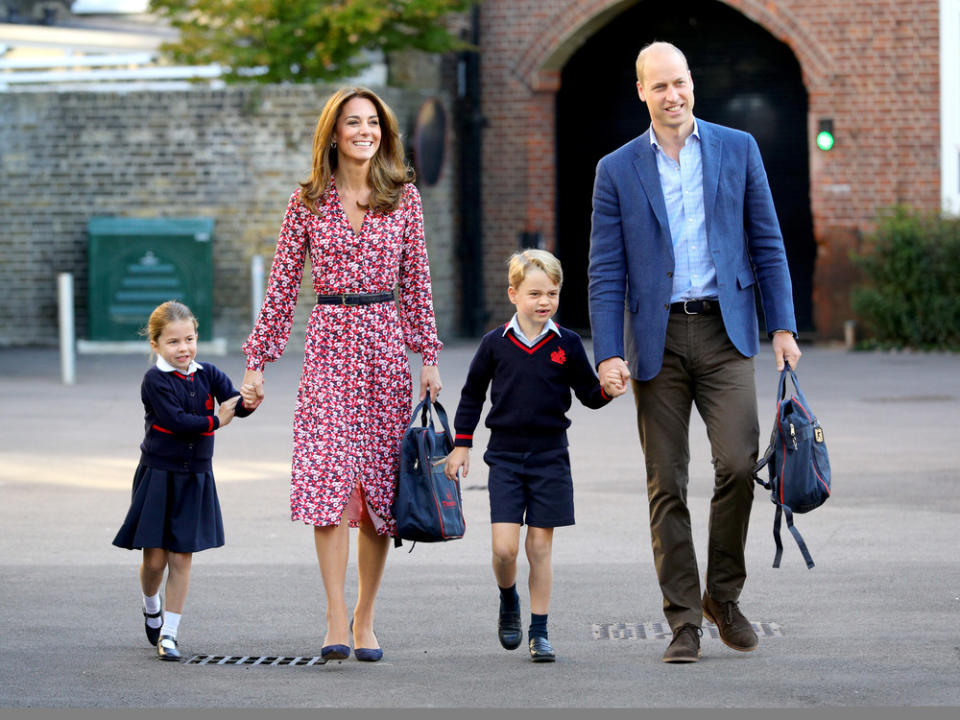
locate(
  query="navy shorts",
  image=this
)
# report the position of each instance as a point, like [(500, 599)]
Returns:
[(531, 487)]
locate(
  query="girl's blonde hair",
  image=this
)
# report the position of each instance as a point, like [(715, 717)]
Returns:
[(388, 168), (164, 314), (520, 264)]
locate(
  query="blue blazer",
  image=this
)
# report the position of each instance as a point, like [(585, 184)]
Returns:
[(631, 250)]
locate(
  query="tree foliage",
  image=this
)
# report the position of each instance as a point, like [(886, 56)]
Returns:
[(303, 40)]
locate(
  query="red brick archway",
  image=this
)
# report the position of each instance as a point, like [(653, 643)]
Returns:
[(850, 55)]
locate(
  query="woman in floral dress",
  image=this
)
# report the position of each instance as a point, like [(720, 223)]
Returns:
[(360, 220)]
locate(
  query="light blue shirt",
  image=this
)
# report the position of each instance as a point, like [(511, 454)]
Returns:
[(550, 327), (694, 275)]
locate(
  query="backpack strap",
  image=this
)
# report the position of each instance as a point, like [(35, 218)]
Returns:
[(788, 513)]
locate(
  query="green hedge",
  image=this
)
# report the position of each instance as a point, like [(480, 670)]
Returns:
[(911, 293)]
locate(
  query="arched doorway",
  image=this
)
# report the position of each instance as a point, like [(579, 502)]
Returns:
[(743, 77)]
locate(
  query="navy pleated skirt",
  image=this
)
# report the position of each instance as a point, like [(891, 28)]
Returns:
[(177, 511)]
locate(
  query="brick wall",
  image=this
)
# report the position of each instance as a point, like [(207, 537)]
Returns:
[(234, 154), (871, 65)]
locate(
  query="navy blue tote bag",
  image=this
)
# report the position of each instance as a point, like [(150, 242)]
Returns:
[(427, 506)]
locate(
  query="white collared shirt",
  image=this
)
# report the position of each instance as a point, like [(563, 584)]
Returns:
[(550, 327), (167, 367)]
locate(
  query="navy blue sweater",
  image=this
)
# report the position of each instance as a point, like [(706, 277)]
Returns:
[(529, 390), (179, 417)]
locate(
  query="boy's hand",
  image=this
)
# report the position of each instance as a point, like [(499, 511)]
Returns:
[(458, 458), (227, 410)]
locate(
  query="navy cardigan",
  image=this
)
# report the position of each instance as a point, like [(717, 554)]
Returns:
[(180, 417)]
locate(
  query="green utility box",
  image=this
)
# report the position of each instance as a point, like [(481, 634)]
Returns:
[(137, 263)]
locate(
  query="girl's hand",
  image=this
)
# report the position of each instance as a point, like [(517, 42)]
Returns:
[(227, 410), (458, 458), (430, 380), (253, 379)]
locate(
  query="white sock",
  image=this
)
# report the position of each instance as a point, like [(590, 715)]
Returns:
[(151, 603), (171, 622)]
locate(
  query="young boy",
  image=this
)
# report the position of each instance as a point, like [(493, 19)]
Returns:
[(531, 364)]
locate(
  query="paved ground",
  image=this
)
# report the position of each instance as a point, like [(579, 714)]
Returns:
[(874, 624)]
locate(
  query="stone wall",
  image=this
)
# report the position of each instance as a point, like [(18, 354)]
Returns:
[(233, 154)]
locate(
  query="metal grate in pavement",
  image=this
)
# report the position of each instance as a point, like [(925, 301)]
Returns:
[(661, 631), (266, 660)]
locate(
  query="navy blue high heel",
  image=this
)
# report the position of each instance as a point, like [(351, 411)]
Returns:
[(335, 652), (366, 654)]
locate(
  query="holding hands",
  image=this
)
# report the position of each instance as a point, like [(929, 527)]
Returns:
[(252, 388), (614, 376)]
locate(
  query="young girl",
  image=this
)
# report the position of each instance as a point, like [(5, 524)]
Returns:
[(175, 511)]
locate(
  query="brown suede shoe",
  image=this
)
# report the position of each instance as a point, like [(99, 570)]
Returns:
[(685, 646), (735, 630)]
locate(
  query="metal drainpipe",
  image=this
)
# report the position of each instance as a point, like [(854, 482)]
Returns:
[(471, 123)]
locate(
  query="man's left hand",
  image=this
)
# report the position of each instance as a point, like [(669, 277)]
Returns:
[(785, 348)]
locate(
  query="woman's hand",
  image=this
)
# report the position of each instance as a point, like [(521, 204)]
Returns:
[(252, 388), (430, 379)]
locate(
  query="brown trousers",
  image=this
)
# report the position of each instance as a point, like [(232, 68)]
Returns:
[(701, 366)]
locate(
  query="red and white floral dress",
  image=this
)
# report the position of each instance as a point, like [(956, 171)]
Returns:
[(353, 403)]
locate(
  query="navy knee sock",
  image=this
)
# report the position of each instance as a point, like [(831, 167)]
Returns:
[(538, 626), (509, 599)]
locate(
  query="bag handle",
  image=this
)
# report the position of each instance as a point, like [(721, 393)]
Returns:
[(424, 409), (782, 389)]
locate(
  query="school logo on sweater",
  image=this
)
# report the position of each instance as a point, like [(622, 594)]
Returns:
[(558, 356), (209, 402)]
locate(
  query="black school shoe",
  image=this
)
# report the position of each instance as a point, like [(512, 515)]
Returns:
[(509, 630), (153, 634), (541, 650), (167, 648)]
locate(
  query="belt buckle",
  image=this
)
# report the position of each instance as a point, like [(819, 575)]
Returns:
[(687, 312), (343, 299)]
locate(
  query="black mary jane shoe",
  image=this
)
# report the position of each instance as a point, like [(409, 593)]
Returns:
[(167, 648), (153, 633), (541, 650), (509, 630)]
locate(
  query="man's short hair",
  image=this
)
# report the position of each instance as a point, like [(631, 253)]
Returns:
[(656, 44)]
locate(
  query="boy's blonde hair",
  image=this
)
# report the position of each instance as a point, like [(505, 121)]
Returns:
[(520, 264)]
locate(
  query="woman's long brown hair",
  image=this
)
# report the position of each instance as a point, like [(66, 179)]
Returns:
[(388, 168)]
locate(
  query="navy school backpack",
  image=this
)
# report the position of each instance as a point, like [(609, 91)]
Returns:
[(797, 464), (427, 505)]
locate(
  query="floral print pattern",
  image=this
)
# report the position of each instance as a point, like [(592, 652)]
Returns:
[(353, 402)]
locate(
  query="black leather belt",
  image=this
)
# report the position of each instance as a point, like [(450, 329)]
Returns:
[(356, 299), (696, 307)]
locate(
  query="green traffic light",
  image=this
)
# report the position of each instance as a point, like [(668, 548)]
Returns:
[(825, 140)]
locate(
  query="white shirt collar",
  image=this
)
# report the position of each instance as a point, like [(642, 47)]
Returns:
[(167, 367), (551, 326)]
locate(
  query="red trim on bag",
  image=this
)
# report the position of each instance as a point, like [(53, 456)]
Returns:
[(819, 478), (163, 430)]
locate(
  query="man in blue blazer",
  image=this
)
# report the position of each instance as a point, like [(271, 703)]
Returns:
[(683, 231)]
